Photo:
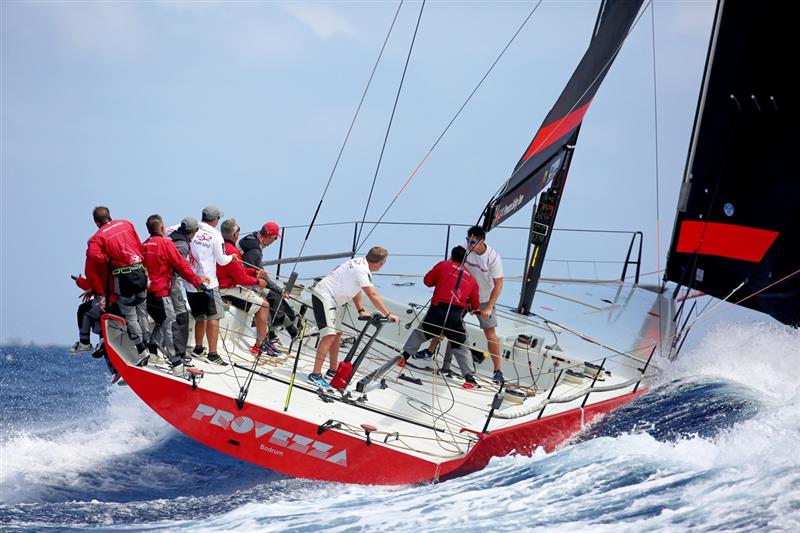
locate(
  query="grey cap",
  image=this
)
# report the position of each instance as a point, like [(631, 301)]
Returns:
[(211, 212), (189, 224)]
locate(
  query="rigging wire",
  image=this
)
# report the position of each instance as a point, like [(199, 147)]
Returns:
[(449, 124), (244, 389), (553, 130), (350, 129), (391, 121), (658, 201)]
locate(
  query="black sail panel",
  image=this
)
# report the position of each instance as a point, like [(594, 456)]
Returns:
[(533, 171), (739, 214)]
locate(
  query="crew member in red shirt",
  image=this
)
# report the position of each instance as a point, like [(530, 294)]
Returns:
[(161, 258), (455, 292), (239, 285), (116, 247)]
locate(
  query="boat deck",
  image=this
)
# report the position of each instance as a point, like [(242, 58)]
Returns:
[(426, 414)]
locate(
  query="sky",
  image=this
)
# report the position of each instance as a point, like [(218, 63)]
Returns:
[(165, 107)]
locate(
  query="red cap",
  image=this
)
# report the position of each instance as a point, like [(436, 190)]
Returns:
[(271, 228)]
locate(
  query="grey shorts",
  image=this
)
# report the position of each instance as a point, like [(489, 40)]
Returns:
[(488, 323)]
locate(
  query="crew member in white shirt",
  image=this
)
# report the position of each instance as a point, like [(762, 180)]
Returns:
[(330, 297), (207, 251), (485, 265)]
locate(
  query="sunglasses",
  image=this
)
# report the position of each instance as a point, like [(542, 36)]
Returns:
[(473, 241)]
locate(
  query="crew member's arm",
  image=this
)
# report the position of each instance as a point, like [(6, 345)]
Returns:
[(181, 265), (271, 285), (495, 294), (377, 301), (475, 298), (359, 305), (96, 267), (240, 275), (496, 271), (220, 256), (432, 276)]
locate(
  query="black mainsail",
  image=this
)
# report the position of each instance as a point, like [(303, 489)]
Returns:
[(548, 156), (736, 230)]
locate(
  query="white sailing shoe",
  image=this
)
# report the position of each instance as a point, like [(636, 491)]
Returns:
[(79, 347)]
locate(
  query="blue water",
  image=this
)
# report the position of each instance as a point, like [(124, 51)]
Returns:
[(714, 446)]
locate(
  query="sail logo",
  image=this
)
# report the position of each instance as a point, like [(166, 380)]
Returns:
[(277, 436), (509, 208)]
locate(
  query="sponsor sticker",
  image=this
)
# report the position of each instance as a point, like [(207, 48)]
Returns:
[(273, 438)]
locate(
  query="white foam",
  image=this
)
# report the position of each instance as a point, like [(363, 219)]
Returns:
[(32, 461), (759, 355)]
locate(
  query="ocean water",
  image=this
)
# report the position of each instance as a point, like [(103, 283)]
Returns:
[(714, 446)]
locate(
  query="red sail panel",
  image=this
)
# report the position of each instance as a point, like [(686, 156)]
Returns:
[(554, 131), (724, 240)]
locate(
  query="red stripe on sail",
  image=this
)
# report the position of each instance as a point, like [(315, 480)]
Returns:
[(724, 240), (549, 134)]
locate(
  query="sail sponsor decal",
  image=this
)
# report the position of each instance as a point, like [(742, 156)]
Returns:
[(505, 210), (724, 240), (273, 437), (527, 191)]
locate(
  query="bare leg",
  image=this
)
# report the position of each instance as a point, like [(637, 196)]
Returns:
[(212, 330), (262, 316), (494, 346), (199, 332), (334, 351), (322, 351), (434, 344)]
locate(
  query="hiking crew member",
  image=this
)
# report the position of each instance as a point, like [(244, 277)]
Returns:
[(237, 284), (161, 258), (485, 265), (116, 246), (207, 251), (252, 246), (181, 236), (89, 312), (455, 292), (329, 298)]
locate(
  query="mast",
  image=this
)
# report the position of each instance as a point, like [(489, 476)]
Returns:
[(543, 215), (543, 218)]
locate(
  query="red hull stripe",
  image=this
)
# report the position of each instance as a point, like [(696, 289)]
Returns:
[(549, 134), (724, 240)]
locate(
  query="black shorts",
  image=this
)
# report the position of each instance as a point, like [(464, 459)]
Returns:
[(438, 322), (202, 304)]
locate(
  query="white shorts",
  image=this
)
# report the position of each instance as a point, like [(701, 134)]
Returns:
[(328, 314), (243, 293)]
